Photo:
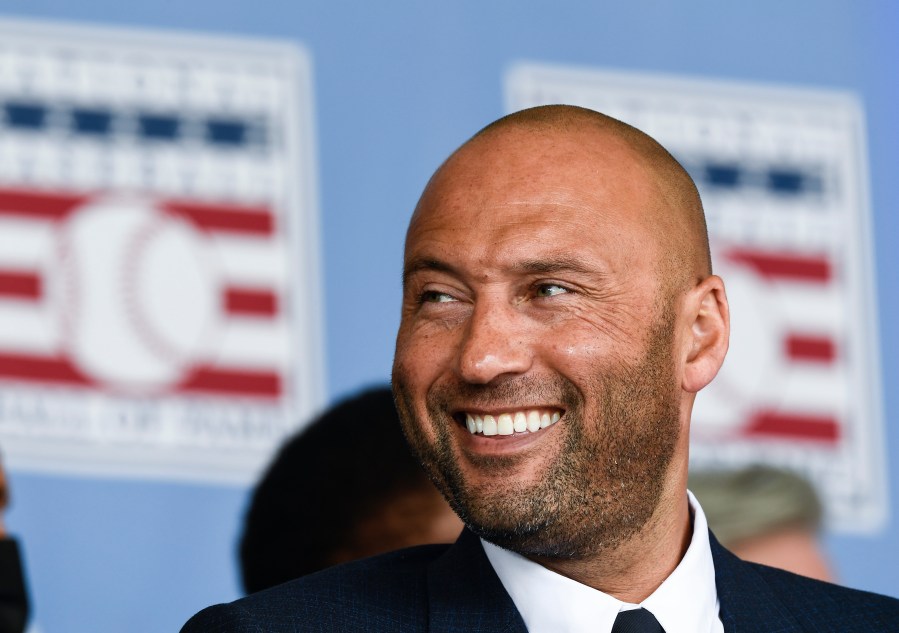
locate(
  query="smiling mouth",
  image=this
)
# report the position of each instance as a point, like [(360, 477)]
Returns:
[(508, 423)]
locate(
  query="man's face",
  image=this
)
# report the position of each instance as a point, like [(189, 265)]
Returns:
[(534, 370)]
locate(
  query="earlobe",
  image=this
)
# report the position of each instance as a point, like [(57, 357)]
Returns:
[(708, 335)]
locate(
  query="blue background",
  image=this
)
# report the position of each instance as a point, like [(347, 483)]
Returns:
[(397, 86)]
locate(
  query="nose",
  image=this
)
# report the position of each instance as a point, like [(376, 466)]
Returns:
[(496, 344)]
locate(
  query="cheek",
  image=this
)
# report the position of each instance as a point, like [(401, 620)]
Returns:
[(422, 354), (577, 351), (417, 366), (582, 347), (412, 414), (580, 354)]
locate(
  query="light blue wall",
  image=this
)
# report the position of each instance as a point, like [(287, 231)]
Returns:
[(397, 86)]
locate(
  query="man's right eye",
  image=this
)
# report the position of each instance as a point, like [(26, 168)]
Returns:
[(435, 296)]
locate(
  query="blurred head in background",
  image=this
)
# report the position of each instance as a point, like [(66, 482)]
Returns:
[(765, 515), (346, 487)]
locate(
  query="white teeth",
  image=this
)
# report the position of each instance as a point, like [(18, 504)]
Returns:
[(510, 423), (521, 422)]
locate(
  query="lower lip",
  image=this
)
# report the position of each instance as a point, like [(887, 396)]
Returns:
[(501, 444)]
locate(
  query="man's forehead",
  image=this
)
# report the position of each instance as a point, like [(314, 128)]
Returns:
[(547, 211), (588, 172), (523, 150), (522, 239), (510, 207)]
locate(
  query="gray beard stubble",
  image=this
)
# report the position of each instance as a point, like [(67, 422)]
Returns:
[(604, 485)]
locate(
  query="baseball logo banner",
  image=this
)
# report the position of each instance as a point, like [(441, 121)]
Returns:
[(783, 177), (159, 297)]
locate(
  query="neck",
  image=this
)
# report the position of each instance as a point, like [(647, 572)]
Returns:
[(635, 569)]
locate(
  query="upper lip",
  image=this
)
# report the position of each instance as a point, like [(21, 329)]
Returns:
[(496, 411), (510, 409)]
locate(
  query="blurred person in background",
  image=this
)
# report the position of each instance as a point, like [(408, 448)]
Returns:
[(345, 487), (13, 594), (765, 515)]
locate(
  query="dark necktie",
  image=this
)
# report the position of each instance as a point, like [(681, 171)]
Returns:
[(636, 621)]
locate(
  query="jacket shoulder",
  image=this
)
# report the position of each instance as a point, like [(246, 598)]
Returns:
[(386, 592), (843, 609), (759, 598)]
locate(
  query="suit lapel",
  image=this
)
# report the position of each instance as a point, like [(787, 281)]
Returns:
[(465, 594), (747, 602)]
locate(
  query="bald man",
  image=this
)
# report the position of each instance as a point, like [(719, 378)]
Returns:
[(559, 316)]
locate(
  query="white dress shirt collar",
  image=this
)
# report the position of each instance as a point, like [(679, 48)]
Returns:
[(686, 602)]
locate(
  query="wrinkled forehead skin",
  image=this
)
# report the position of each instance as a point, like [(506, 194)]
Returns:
[(602, 173)]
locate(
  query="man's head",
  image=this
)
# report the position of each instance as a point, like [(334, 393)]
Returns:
[(345, 487), (557, 271)]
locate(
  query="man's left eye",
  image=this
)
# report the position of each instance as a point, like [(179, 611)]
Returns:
[(435, 296), (550, 290)]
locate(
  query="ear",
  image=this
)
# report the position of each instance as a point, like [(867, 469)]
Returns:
[(708, 318)]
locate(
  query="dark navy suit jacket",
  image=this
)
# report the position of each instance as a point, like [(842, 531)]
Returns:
[(454, 588)]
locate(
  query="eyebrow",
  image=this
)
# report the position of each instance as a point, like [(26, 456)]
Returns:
[(418, 265), (528, 266), (553, 265)]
